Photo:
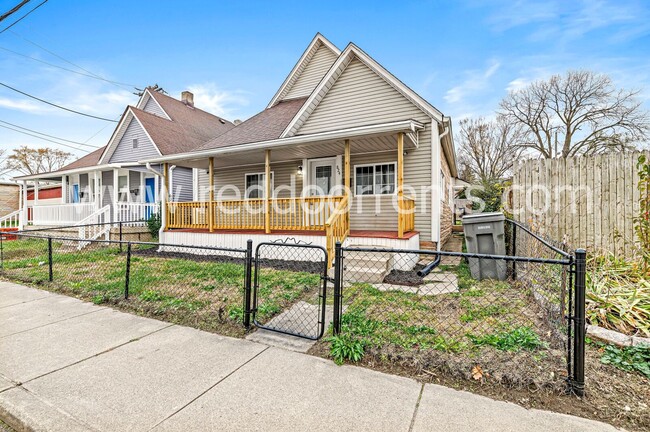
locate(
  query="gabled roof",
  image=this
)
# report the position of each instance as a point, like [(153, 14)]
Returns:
[(316, 43), (351, 52), (188, 128), (266, 125)]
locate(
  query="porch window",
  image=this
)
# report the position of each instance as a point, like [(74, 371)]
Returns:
[(376, 179), (256, 185)]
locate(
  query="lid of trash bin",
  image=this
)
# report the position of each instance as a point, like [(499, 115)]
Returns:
[(483, 218)]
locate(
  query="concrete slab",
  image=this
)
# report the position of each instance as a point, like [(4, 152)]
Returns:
[(138, 385), (281, 390), (47, 310), (301, 319), (5, 384), (11, 294), (393, 287), (27, 355), (25, 411), (438, 288), (281, 340), (473, 412)]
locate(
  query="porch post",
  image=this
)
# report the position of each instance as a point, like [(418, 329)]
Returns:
[(24, 214), (64, 189), (346, 168), (267, 192), (36, 185), (400, 184), (116, 193), (164, 207), (211, 194)]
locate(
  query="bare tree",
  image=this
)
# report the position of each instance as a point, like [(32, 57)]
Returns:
[(580, 112), (33, 161), (487, 149)]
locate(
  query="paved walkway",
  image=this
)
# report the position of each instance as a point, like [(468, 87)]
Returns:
[(66, 365)]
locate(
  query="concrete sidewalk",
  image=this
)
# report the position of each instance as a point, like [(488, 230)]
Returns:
[(66, 365)]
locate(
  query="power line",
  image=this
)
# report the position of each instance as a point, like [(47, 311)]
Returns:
[(46, 139), (55, 105), (13, 10), (22, 17), (69, 62), (50, 136), (65, 69)]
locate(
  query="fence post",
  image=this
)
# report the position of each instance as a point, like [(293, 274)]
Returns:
[(578, 379), (514, 251), (248, 273), (338, 267), (49, 259), (128, 270), (2, 255), (120, 223)]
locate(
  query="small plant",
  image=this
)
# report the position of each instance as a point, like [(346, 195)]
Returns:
[(630, 359), (514, 340), (154, 223), (346, 347)]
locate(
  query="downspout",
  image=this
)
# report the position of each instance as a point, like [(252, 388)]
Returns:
[(441, 192)]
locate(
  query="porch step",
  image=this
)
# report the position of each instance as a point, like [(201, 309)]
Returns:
[(370, 267)]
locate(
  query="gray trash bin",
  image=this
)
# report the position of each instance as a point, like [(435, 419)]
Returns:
[(484, 233)]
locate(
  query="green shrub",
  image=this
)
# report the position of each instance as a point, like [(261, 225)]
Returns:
[(630, 359), (514, 340), (346, 347), (154, 223)]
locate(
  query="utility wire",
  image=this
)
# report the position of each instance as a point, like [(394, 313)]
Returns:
[(50, 136), (119, 84), (13, 10), (22, 17), (46, 139), (55, 105), (64, 68)]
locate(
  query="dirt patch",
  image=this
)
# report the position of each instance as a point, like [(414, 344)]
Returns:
[(612, 395), (406, 278)]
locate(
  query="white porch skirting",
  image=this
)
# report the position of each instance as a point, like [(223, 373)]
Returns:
[(238, 241)]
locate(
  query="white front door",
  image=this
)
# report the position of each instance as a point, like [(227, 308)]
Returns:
[(322, 173)]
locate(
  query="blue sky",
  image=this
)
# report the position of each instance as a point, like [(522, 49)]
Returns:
[(463, 56)]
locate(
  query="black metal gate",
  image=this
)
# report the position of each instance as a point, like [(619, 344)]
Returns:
[(290, 289)]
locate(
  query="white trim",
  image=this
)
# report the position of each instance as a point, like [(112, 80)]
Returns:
[(350, 52), (382, 128), (332, 160), (318, 41), (195, 184), (141, 104), (263, 173), (354, 176)]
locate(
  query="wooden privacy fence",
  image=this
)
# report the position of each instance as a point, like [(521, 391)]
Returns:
[(586, 201)]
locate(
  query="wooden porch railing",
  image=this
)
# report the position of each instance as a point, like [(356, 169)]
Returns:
[(337, 228), (300, 214)]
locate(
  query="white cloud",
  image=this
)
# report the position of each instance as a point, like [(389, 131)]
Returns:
[(24, 106), (476, 80), (224, 103)]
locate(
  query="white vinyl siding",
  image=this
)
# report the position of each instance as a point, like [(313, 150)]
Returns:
[(360, 97), (124, 151), (312, 73), (152, 107)]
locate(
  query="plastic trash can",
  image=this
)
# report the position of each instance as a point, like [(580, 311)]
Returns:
[(484, 234)]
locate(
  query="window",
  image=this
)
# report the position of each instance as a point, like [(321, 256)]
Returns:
[(135, 143), (256, 185), (375, 179), (123, 188)]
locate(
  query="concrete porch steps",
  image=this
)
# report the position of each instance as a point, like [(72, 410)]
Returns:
[(370, 267)]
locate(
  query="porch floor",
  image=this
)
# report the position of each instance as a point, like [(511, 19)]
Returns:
[(353, 233)]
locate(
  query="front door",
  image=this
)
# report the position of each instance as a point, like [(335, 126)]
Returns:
[(75, 193), (149, 195), (322, 177)]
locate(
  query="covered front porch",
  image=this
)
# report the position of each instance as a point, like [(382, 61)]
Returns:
[(327, 188)]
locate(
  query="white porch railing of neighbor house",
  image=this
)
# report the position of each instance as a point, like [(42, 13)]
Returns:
[(60, 214), (93, 227), (135, 214), (10, 220)]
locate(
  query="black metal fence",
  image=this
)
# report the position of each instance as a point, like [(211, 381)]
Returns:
[(431, 310)]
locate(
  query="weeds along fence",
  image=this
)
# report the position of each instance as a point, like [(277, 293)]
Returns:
[(522, 327)]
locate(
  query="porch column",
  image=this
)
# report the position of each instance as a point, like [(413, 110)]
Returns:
[(24, 214), (97, 197), (64, 189), (164, 208), (400, 185), (36, 185), (346, 167), (267, 192), (211, 194), (116, 193)]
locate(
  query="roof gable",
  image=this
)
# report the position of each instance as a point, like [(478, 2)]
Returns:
[(127, 150), (350, 54), (150, 104), (308, 71), (119, 132)]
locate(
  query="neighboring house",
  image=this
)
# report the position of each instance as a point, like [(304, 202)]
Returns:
[(340, 119), (9, 193), (109, 185)]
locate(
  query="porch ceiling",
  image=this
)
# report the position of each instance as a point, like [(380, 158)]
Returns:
[(369, 144)]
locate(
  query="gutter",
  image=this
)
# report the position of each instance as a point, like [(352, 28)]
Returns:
[(441, 194)]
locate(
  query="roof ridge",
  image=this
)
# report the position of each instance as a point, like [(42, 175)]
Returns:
[(154, 94)]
